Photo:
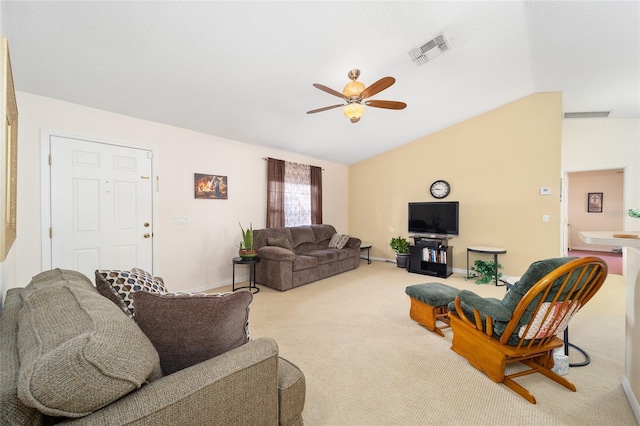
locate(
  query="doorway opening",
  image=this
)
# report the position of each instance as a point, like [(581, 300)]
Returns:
[(594, 201)]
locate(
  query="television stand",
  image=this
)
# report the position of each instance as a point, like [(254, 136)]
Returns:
[(443, 239), (431, 256)]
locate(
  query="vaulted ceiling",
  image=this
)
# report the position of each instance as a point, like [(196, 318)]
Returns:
[(244, 70)]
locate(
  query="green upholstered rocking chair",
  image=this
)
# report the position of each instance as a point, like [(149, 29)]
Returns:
[(524, 326)]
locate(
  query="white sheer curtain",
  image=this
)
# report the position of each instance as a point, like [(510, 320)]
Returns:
[(297, 194)]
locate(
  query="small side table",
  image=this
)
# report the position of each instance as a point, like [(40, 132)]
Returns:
[(495, 251), (252, 273), (366, 246)]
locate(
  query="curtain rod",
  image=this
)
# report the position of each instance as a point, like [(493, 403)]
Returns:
[(266, 158)]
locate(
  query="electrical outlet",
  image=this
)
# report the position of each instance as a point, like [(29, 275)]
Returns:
[(545, 191)]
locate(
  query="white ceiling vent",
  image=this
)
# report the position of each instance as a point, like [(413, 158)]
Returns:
[(587, 114), (430, 49)]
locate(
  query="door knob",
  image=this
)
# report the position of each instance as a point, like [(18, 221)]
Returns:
[(147, 235), (146, 224)]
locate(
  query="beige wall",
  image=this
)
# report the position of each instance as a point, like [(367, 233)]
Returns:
[(496, 164), (196, 256), (579, 185)]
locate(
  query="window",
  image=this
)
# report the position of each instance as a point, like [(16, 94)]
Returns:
[(297, 194), (294, 194)]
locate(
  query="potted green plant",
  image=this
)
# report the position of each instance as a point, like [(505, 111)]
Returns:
[(400, 246), (246, 248), (485, 271)]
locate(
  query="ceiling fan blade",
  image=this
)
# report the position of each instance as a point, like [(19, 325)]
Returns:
[(377, 87), (329, 90), (386, 104), (313, 111)]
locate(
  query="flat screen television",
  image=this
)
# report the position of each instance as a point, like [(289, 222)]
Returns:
[(434, 218)]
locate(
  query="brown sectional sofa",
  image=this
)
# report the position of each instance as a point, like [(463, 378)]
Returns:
[(310, 259), (70, 355)]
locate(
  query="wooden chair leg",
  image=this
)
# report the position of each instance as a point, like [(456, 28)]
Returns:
[(519, 389), (550, 374)]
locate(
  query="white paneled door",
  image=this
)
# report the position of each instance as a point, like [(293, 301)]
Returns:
[(101, 206)]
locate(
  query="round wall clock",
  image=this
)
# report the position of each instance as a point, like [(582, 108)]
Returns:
[(440, 189)]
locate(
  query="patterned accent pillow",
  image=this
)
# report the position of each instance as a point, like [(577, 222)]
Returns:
[(342, 241), (338, 241), (119, 286), (558, 319), (187, 329)]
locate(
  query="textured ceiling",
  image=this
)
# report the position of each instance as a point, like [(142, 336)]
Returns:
[(244, 70)]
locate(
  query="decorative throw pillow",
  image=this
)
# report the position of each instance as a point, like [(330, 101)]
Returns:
[(333, 243), (119, 286), (187, 329), (342, 241), (279, 242), (540, 329), (338, 241)]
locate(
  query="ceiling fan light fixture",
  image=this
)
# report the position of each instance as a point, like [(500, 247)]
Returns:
[(353, 88), (353, 110)]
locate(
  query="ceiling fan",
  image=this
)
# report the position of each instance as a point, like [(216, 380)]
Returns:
[(354, 93)]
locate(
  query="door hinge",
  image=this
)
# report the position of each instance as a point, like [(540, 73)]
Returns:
[(157, 183), (50, 232), (49, 159)]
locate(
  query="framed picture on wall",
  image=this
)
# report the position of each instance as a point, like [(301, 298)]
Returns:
[(212, 187), (10, 148), (594, 202)]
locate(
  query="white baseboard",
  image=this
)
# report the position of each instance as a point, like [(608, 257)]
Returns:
[(633, 401)]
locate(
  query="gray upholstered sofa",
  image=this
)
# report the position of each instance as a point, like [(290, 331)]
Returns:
[(70, 355), (305, 258)]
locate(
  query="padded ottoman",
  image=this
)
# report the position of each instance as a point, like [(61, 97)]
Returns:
[(429, 304)]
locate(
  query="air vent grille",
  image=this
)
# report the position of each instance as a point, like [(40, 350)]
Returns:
[(430, 49), (587, 114)]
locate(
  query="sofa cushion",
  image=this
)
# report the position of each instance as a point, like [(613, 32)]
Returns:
[(536, 271), (323, 234), (324, 256), (58, 277), (280, 242), (303, 239), (119, 286), (304, 262), (12, 410), (77, 352), (291, 392), (187, 329)]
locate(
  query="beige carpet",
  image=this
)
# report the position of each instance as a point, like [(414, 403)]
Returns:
[(367, 363)]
